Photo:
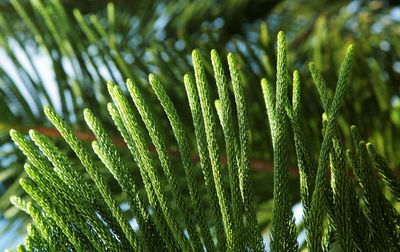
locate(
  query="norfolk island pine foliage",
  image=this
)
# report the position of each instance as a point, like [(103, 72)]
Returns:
[(344, 205)]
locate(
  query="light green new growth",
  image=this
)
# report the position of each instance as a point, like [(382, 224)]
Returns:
[(94, 173), (210, 129), (182, 140), (161, 149), (343, 194), (107, 152), (133, 129), (205, 163), (230, 145), (283, 230), (256, 242), (161, 223), (74, 212), (314, 219), (307, 166)]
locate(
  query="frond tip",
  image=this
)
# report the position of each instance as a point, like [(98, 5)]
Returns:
[(76, 209)]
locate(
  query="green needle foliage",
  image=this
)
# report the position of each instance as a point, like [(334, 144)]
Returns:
[(85, 45), (74, 209), (283, 229)]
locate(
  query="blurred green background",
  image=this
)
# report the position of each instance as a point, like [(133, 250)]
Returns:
[(62, 53)]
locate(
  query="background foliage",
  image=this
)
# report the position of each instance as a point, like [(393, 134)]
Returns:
[(85, 45)]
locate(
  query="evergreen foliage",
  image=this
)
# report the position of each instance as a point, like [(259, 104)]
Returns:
[(71, 211), (145, 189), (87, 45)]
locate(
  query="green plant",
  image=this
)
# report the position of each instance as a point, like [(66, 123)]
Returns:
[(71, 211), (87, 45)]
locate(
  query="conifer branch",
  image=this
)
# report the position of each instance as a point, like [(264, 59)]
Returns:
[(283, 231), (161, 149), (132, 127), (225, 116), (244, 166), (343, 194), (210, 129), (107, 152), (182, 140), (72, 211), (93, 171), (159, 220), (205, 163), (385, 171), (316, 214)]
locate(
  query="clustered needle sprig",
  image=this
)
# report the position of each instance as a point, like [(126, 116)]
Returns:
[(74, 212)]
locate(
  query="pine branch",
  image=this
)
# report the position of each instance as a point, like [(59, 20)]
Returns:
[(256, 242), (343, 191), (225, 116), (382, 217), (182, 140), (283, 232), (111, 159), (210, 129), (205, 163), (92, 169), (71, 211), (160, 221), (161, 149), (317, 211), (385, 171), (133, 129)]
